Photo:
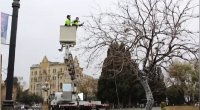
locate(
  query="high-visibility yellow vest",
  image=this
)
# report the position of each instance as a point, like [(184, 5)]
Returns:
[(75, 22), (68, 22)]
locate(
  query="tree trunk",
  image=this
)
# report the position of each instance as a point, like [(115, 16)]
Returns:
[(149, 95), (129, 101)]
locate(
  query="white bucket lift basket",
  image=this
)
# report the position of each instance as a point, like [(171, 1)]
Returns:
[(68, 35)]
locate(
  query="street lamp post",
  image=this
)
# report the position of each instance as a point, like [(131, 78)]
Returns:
[(46, 87), (8, 102)]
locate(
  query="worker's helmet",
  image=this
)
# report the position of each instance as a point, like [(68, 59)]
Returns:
[(68, 16), (77, 18)]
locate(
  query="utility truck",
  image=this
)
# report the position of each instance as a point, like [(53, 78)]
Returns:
[(59, 102), (69, 98)]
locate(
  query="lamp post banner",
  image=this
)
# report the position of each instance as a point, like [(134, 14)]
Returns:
[(4, 27)]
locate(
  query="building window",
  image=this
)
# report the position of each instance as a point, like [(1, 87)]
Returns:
[(54, 77), (35, 73), (38, 86), (54, 70), (60, 69), (49, 71), (44, 71), (49, 77), (61, 86), (35, 79), (39, 78)]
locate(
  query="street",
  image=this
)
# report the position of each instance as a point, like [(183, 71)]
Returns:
[(155, 108)]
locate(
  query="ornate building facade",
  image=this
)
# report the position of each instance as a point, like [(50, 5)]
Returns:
[(48, 77)]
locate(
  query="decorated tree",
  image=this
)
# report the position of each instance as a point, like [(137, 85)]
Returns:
[(155, 32)]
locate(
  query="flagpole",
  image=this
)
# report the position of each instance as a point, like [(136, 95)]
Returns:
[(8, 103)]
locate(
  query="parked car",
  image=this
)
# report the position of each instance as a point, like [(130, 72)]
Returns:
[(21, 107), (17, 107), (37, 107)]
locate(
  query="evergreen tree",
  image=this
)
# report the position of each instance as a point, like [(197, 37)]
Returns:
[(118, 76)]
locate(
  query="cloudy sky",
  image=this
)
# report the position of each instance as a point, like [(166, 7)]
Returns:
[(38, 30)]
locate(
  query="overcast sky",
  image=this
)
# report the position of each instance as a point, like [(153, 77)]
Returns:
[(38, 30)]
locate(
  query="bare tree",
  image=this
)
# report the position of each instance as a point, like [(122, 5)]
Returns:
[(154, 31)]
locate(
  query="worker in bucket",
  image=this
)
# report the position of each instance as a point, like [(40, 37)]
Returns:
[(68, 21), (76, 22)]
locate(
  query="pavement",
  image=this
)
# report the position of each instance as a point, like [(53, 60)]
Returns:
[(154, 108), (45, 107)]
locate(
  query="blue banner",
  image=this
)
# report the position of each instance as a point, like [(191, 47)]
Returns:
[(4, 27)]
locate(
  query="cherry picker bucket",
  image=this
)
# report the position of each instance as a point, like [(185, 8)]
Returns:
[(68, 35)]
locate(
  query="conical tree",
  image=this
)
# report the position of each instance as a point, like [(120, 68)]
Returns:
[(118, 75)]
